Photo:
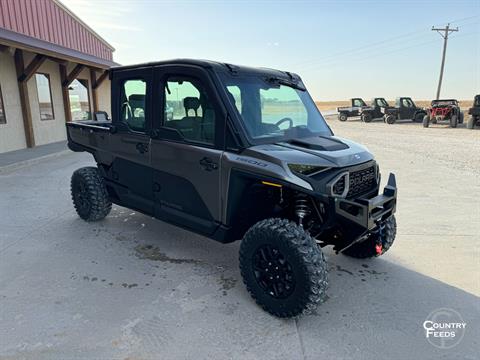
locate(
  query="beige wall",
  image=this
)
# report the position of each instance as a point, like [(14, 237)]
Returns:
[(12, 135), (104, 97), (47, 131)]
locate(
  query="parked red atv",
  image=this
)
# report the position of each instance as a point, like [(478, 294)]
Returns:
[(441, 110)]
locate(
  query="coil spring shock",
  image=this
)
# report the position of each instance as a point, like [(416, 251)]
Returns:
[(302, 209)]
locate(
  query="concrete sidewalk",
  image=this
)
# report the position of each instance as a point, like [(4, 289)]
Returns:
[(19, 158)]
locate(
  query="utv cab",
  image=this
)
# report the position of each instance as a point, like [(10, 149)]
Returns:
[(407, 110), (237, 153)]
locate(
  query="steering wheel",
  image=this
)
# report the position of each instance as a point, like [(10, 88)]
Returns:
[(286, 119)]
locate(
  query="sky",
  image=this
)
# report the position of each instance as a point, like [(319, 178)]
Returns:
[(341, 49)]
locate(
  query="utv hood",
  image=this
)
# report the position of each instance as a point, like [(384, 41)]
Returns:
[(328, 151)]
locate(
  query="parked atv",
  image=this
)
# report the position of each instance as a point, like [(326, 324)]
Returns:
[(474, 113), (407, 110), (233, 161), (358, 108), (381, 109), (441, 110)]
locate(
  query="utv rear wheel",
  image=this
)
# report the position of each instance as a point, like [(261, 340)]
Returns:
[(426, 121), (366, 117), (471, 122), (283, 268), (390, 119), (454, 121), (89, 194), (342, 117), (460, 117), (367, 248)]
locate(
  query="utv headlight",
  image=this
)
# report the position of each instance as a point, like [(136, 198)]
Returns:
[(305, 169)]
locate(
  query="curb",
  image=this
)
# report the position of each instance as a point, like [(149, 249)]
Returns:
[(24, 163)]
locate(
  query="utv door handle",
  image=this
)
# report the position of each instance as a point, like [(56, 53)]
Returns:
[(142, 148), (208, 164)]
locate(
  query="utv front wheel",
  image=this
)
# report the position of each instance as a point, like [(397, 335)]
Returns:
[(390, 119), (282, 267), (89, 194), (342, 117), (368, 247)]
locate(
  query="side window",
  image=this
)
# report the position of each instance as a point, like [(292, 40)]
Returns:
[(189, 110), (134, 93), (357, 102)]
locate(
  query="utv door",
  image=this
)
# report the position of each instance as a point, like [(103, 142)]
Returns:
[(407, 109), (131, 111), (186, 148)]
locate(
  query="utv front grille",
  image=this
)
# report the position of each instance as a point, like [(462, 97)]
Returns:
[(353, 183), (361, 181)]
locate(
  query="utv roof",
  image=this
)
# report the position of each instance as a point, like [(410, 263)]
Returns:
[(213, 65), (443, 100)]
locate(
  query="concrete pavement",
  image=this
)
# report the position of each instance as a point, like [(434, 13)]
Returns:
[(131, 287)]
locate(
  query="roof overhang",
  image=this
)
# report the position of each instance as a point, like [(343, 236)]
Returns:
[(24, 42)]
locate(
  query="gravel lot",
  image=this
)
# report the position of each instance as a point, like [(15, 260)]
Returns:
[(131, 287)]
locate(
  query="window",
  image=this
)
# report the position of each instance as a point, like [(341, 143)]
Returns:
[(133, 104), (358, 102), (272, 111), (189, 110), (3, 118), (279, 104), (44, 96), (79, 100)]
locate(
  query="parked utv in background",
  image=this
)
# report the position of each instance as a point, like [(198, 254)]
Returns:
[(234, 153), (474, 113), (407, 110), (358, 108), (441, 110), (381, 109)]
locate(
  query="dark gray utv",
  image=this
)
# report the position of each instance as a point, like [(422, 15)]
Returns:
[(234, 153)]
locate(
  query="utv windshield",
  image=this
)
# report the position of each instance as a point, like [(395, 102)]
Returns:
[(274, 110)]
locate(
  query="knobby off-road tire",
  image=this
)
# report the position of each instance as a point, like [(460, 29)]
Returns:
[(366, 249), (283, 268), (366, 117), (460, 117), (390, 119), (89, 194), (426, 121), (454, 121), (342, 117), (471, 122)]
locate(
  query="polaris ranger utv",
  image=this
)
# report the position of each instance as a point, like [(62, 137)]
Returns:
[(241, 153), (358, 108)]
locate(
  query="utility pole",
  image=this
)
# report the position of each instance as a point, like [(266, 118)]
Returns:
[(443, 33)]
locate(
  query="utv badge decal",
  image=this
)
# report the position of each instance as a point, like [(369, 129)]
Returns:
[(252, 162), (356, 156)]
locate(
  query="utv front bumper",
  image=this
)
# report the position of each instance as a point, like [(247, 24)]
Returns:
[(368, 212)]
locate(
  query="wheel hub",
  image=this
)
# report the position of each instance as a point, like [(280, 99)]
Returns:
[(273, 272)]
